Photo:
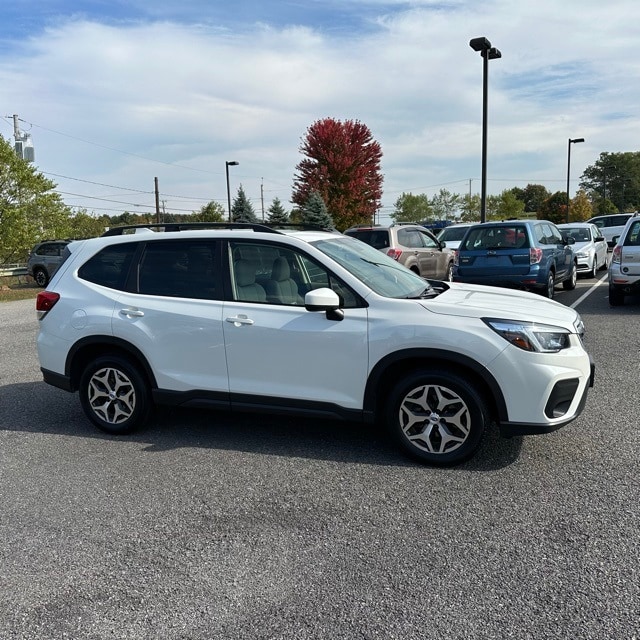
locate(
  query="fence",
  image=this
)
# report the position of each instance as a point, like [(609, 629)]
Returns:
[(13, 270)]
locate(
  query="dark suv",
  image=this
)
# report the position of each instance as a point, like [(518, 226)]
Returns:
[(412, 245), (44, 260), (525, 254)]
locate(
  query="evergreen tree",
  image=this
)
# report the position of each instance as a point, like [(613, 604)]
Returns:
[(277, 213), (315, 212), (242, 209), (210, 212)]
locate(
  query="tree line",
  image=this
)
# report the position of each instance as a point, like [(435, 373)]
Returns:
[(337, 184)]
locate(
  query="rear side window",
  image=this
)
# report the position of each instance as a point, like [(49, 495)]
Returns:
[(180, 269), (378, 238), (633, 235), (496, 237), (110, 266)]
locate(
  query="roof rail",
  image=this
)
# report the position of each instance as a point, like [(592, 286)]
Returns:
[(187, 226)]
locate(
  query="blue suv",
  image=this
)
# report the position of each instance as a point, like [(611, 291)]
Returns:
[(525, 254)]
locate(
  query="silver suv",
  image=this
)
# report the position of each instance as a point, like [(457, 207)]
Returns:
[(412, 245), (624, 270), (44, 260)]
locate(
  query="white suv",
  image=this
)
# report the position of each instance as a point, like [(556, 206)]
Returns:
[(307, 322), (624, 270)]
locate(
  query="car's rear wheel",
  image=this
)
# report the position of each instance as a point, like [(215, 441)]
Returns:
[(114, 395), (616, 298), (437, 416), (570, 283), (549, 290), (41, 277)]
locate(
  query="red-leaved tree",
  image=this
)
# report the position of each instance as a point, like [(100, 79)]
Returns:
[(342, 164)]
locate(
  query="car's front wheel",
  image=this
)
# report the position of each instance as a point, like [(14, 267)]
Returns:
[(449, 275), (437, 416), (593, 273), (114, 395)]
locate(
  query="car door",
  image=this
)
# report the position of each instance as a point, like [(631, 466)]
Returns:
[(630, 251), (562, 253), (600, 245), (172, 312), (435, 260), (284, 353)]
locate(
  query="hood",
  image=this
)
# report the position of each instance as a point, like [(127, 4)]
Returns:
[(581, 246), (481, 301)]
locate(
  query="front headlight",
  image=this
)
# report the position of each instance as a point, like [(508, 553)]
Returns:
[(582, 254), (531, 336)]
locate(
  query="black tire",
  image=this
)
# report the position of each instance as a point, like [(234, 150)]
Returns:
[(114, 395), (449, 275), (570, 283), (41, 277), (449, 417), (549, 290), (605, 264), (594, 269), (616, 298)]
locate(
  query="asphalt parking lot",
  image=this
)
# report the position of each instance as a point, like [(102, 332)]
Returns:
[(215, 526)]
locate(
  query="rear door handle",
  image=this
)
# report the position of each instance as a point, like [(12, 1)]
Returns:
[(132, 313)]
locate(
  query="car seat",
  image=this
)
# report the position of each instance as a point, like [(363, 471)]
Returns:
[(281, 288)]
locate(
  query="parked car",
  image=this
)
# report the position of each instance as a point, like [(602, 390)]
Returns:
[(411, 245), (611, 225), (524, 254), (624, 270), (309, 323), (590, 246), (452, 235), (44, 260)]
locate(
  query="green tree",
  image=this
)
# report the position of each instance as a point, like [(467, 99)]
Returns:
[(210, 212), (554, 208), (342, 163), (603, 207), (509, 206), (242, 209), (580, 209), (533, 195), (412, 208), (445, 204), (615, 177), (315, 212), (29, 208), (276, 213), (84, 225), (470, 208)]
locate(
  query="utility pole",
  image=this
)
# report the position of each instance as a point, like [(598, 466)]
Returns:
[(23, 146), (262, 196), (155, 182)]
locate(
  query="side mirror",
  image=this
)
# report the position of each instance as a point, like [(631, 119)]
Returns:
[(570, 240), (326, 300)]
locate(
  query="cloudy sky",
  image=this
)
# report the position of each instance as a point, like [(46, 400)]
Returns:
[(117, 92)]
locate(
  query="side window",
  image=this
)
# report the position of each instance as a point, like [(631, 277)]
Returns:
[(273, 274), (110, 266), (428, 241), (180, 269), (599, 223), (540, 234), (556, 236), (405, 238), (633, 235)]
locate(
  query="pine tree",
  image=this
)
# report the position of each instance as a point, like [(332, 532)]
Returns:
[(277, 213), (242, 209), (314, 212)]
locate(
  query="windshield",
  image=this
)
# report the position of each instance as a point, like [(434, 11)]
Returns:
[(579, 234), (372, 267), (452, 233)]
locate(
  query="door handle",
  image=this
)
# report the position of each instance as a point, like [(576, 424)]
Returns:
[(132, 313), (239, 320)]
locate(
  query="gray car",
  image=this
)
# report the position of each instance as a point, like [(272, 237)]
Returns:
[(44, 260), (412, 245)]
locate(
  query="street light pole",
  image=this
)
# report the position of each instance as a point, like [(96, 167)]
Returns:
[(571, 140), (487, 52), (228, 164)]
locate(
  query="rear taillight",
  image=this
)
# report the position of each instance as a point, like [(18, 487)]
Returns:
[(394, 253), (45, 301), (535, 256), (617, 255)]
